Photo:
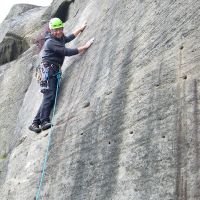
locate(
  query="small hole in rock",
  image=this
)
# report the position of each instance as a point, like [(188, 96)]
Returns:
[(86, 104), (46, 135), (185, 77), (91, 163)]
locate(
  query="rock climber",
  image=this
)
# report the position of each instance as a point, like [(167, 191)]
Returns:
[(53, 54)]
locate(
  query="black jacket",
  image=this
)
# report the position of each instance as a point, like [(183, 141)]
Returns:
[(54, 50)]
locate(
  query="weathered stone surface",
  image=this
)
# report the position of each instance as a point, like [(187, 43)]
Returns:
[(25, 25), (139, 137), (19, 9), (11, 48)]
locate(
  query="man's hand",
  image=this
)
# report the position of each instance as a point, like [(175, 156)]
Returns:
[(83, 26), (80, 30), (86, 46), (89, 43)]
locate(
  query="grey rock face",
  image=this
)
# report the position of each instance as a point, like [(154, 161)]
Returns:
[(127, 118), (11, 47), (19, 9)]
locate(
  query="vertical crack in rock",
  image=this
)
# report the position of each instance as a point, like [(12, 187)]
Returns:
[(196, 140), (181, 129)]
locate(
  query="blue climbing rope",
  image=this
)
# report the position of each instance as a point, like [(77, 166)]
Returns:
[(58, 75)]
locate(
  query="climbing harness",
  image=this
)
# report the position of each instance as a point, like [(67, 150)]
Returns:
[(44, 82), (42, 75), (58, 76)]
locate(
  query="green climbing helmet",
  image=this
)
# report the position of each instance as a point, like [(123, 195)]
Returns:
[(55, 23)]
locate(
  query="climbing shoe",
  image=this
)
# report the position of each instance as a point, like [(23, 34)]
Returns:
[(46, 125), (35, 127)]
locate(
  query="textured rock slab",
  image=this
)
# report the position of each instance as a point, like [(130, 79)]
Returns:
[(138, 136)]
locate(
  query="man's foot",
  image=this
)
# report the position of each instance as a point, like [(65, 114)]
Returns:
[(46, 125), (35, 128)]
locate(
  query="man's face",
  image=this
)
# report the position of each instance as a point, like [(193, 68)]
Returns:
[(58, 33)]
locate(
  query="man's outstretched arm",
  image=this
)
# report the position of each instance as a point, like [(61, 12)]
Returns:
[(72, 36), (72, 52), (81, 29)]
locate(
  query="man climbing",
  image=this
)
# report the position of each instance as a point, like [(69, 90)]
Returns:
[(53, 54)]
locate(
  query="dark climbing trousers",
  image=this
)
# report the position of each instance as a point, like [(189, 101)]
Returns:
[(43, 114)]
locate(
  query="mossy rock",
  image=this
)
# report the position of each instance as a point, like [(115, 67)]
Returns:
[(3, 157)]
